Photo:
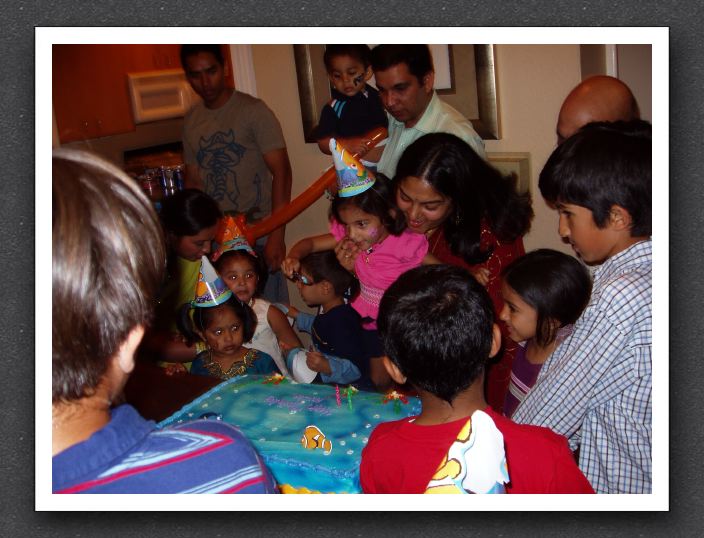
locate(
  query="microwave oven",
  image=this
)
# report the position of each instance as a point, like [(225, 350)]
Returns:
[(160, 95)]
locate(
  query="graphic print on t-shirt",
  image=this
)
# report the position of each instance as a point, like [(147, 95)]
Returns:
[(217, 157)]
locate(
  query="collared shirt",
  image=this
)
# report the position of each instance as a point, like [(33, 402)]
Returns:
[(439, 117), (596, 387)]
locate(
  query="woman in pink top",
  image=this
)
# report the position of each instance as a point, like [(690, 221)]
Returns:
[(369, 236)]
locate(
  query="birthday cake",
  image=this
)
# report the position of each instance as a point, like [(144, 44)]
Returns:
[(310, 436)]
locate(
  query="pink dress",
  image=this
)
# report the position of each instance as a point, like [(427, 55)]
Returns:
[(379, 269)]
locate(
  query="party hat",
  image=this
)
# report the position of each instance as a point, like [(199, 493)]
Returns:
[(210, 290), (229, 236), (352, 177)]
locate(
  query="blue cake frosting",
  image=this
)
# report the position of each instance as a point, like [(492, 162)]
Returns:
[(276, 417)]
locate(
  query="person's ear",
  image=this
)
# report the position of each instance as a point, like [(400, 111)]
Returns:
[(495, 340), (429, 81), (619, 218), (393, 370), (326, 287), (125, 355)]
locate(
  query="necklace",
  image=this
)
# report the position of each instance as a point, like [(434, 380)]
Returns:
[(237, 368)]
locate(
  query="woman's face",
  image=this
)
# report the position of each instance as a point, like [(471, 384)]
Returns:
[(424, 207), (192, 247)]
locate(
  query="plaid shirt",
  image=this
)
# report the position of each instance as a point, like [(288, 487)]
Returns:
[(596, 387)]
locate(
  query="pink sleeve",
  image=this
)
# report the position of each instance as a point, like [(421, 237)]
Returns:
[(412, 247), (337, 230)]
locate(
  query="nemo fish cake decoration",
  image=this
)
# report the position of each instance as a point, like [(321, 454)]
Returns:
[(313, 438)]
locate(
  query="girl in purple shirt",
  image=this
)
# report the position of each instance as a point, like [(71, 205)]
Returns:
[(544, 293)]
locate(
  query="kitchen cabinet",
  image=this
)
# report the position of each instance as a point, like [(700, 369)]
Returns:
[(90, 88)]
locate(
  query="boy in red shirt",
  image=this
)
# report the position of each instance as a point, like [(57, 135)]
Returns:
[(437, 326)]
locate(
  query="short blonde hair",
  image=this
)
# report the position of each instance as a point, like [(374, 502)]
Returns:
[(108, 262)]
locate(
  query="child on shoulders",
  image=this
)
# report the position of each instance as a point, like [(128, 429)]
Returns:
[(355, 107), (438, 329)]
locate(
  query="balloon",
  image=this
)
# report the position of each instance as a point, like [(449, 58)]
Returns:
[(291, 210)]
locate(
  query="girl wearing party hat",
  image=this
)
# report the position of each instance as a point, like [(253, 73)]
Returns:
[(224, 324), (245, 274), (368, 235)]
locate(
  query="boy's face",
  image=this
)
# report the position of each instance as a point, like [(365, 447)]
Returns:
[(312, 294), (348, 75), (591, 243)]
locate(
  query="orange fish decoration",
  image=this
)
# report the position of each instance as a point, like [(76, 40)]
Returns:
[(313, 438)]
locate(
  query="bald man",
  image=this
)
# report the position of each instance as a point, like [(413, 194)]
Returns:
[(597, 98)]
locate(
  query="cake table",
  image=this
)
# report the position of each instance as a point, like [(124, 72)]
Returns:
[(310, 436)]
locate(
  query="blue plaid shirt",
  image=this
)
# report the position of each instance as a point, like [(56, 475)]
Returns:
[(596, 387)]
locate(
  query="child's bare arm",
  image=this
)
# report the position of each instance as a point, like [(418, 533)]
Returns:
[(283, 331), (304, 247)]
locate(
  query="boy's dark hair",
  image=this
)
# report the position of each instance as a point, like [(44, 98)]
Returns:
[(602, 165), (436, 325), (190, 50), (361, 53), (324, 265), (189, 211), (478, 192), (202, 316), (108, 259), (257, 262), (557, 285), (378, 201), (416, 57)]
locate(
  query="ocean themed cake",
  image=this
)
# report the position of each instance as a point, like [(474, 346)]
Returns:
[(310, 436)]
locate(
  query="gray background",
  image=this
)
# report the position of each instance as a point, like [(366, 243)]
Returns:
[(17, 329)]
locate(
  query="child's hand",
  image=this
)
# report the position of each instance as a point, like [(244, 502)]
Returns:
[(346, 251), (289, 265), (317, 362), (175, 368), (482, 275)]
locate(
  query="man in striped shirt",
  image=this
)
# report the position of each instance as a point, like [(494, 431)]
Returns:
[(108, 257), (596, 388)]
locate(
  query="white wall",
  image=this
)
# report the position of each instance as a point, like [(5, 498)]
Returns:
[(532, 81)]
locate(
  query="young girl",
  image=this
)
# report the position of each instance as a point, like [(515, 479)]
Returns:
[(224, 329), (242, 272), (544, 293), (336, 330), (368, 235), (223, 324)]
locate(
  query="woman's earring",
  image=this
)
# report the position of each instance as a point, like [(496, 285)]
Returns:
[(458, 218)]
